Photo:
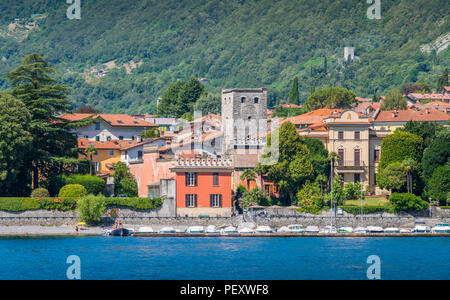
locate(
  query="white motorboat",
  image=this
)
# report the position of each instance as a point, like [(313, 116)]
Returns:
[(345, 230), (421, 229), (211, 229), (392, 230), (328, 229), (195, 229), (312, 229), (405, 230), (229, 230), (245, 230), (295, 228), (167, 229), (263, 229), (374, 229), (441, 228), (360, 230)]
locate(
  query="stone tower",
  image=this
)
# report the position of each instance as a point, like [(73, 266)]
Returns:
[(244, 113)]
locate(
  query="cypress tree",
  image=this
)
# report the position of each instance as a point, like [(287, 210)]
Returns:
[(294, 94)]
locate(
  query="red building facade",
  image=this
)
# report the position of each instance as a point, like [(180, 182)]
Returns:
[(203, 187)]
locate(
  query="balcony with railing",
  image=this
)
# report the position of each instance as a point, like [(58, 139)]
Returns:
[(350, 166)]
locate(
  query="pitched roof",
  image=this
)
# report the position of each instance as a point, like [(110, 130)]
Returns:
[(314, 116), (290, 105), (112, 119), (411, 115), (106, 145), (437, 103), (433, 96)]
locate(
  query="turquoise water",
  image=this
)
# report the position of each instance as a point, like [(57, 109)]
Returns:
[(225, 258)]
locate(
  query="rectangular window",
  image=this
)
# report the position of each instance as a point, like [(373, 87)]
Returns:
[(357, 157), (357, 178), (215, 179), (375, 179), (191, 179), (357, 135), (153, 191), (111, 153), (140, 155), (97, 126), (340, 135), (121, 137), (376, 155), (215, 200), (97, 138), (191, 200), (341, 157), (108, 138)]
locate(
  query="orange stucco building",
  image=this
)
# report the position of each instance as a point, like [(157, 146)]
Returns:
[(203, 187)]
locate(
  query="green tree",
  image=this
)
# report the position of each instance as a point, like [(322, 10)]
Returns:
[(392, 177), (90, 151), (44, 99), (309, 199), (437, 154), (208, 103), (91, 208), (255, 196), (400, 145), (439, 184), (442, 81), (15, 141), (124, 181), (409, 166), (394, 100), (149, 134), (406, 202), (426, 130), (294, 96), (248, 175), (331, 97)]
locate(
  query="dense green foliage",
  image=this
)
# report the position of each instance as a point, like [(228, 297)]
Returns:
[(208, 104), (93, 184), (72, 191), (439, 184), (124, 181), (309, 198), (437, 154), (294, 96), (426, 130), (15, 140), (255, 197), (331, 97), (69, 204), (232, 43), (406, 201), (91, 208), (400, 145), (394, 100), (40, 193)]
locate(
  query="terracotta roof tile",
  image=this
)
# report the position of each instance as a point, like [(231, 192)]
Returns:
[(411, 115)]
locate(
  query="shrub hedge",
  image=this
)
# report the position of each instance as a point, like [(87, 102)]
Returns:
[(39, 193), (93, 184), (72, 190), (70, 204)]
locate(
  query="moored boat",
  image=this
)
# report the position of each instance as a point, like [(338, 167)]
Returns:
[(245, 230), (167, 229), (119, 232), (263, 229), (328, 229), (360, 230), (195, 229), (392, 230), (229, 230), (295, 228), (312, 229), (345, 230), (441, 228), (374, 229), (211, 229)]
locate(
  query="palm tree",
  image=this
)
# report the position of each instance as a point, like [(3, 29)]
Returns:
[(322, 179), (248, 175), (333, 157), (409, 165), (89, 151)]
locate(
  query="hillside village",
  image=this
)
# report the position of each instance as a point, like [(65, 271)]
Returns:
[(206, 161)]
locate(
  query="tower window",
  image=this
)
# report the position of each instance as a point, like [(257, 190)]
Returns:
[(242, 99), (256, 100)]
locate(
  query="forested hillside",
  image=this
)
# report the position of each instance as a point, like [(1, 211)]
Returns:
[(233, 43)]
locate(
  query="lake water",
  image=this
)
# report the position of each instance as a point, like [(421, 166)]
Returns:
[(225, 258)]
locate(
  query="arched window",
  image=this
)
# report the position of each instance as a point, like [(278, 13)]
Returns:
[(256, 100), (242, 99)]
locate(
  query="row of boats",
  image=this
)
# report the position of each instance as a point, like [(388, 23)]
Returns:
[(294, 228)]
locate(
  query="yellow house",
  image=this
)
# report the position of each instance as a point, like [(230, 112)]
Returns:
[(107, 153)]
